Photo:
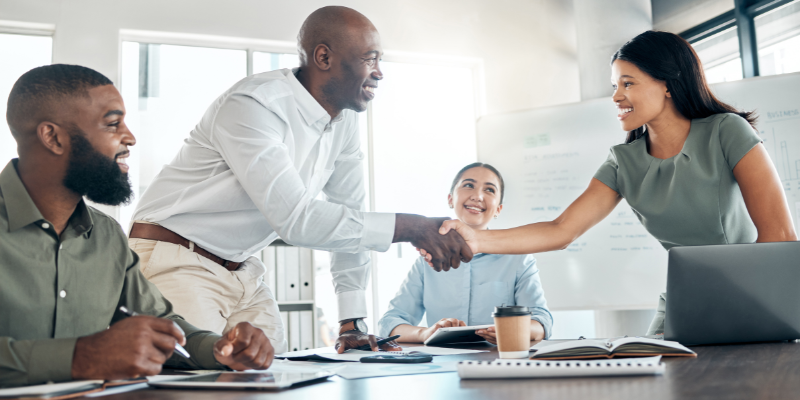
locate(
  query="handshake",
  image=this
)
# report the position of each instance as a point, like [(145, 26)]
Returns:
[(443, 242)]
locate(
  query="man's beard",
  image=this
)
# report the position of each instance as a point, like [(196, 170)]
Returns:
[(94, 175)]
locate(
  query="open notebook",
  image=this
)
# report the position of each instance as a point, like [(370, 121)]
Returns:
[(610, 348)]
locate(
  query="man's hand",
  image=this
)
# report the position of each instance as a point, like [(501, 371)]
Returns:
[(353, 339), (445, 250), (244, 347), (490, 334), (448, 226), (134, 347), (425, 333)]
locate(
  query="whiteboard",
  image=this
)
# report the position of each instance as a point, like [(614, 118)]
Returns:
[(548, 156)]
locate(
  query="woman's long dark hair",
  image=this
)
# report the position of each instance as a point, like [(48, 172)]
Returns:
[(668, 57)]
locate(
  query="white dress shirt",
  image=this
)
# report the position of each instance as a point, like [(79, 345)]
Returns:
[(251, 170)]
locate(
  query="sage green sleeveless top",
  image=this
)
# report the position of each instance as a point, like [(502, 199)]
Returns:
[(692, 198)]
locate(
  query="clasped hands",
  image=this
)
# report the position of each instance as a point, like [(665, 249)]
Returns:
[(139, 346), (451, 227)]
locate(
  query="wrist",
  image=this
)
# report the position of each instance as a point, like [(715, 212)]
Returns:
[(404, 226), (353, 324)]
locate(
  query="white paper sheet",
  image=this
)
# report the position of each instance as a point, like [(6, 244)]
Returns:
[(39, 390), (360, 370), (440, 351)]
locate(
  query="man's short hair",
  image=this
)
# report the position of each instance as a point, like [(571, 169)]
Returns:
[(38, 93)]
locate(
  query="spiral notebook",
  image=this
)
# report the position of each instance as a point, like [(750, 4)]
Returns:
[(509, 369)]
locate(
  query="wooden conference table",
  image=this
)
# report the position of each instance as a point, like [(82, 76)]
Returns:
[(753, 371)]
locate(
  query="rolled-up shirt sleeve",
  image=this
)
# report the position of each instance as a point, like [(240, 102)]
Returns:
[(407, 306), (528, 292), (245, 136)]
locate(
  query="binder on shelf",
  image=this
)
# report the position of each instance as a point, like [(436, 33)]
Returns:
[(285, 321), (280, 273), (306, 274), (294, 331), (268, 258), (292, 269), (306, 330)]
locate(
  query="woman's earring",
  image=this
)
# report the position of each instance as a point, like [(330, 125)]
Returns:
[(495, 216), (451, 206)]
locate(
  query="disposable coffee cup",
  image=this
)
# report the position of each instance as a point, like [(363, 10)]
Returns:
[(513, 326)]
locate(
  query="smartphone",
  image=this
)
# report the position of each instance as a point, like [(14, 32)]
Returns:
[(398, 359)]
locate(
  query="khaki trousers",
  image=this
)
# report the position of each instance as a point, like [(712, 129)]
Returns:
[(209, 296)]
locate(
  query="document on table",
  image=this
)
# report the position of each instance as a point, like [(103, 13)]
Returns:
[(329, 354), (358, 370)]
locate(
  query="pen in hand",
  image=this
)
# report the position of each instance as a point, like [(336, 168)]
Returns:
[(178, 348), (380, 342)]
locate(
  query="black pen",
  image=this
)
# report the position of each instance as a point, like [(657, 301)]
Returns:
[(380, 342), (178, 347)]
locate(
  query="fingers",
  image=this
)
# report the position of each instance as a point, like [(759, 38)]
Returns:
[(165, 344), (373, 343), (244, 347), (391, 346), (449, 322), (448, 225), (168, 327)]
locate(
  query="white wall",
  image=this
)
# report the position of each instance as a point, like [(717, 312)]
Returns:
[(528, 48), (603, 26)]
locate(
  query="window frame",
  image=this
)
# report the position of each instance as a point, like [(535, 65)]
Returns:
[(743, 18)]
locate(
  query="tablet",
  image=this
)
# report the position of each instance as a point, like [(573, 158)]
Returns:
[(458, 334), (243, 380)]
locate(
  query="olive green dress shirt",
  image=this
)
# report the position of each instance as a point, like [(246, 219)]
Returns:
[(691, 199), (54, 290)]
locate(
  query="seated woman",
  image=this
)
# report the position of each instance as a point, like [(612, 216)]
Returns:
[(467, 296)]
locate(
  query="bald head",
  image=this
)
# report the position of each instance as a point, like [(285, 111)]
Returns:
[(333, 26)]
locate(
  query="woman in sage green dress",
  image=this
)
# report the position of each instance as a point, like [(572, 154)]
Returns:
[(692, 168)]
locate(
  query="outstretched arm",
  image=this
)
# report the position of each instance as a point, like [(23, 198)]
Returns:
[(585, 212)]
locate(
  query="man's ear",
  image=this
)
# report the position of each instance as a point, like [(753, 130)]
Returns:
[(322, 57), (53, 137)]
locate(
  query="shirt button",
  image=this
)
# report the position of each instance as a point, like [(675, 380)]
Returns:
[(45, 226), (63, 294)]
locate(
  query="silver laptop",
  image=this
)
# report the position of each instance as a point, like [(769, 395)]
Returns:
[(733, 293)]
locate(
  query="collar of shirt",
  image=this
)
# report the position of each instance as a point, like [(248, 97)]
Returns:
[(310, 109), (22, 211)]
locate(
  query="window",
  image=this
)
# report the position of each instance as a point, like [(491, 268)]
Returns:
[(778, 33), (720, 56), (263, 62), (28, 52), (166, 90), (769, 32), (423, 128)]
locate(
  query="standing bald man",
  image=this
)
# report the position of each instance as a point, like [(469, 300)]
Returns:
[(251, 171)]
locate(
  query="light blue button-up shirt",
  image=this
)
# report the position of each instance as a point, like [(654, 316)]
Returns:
[(468, 293)]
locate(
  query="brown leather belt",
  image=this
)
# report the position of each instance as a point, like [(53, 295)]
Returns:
[(158, 232)]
